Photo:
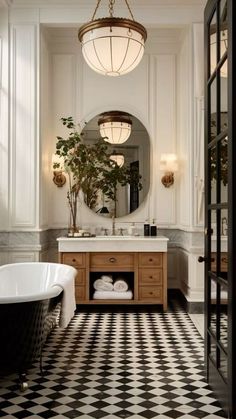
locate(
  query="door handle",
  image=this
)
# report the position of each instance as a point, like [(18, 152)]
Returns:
[(202, 259)]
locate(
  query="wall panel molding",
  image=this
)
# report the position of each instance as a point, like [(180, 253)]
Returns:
[(23, 127)]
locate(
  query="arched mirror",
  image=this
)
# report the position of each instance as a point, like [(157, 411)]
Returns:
[(132, 155)]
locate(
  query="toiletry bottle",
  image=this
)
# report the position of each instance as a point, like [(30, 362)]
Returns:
[(153, 228), (146, 228), (131, 229)]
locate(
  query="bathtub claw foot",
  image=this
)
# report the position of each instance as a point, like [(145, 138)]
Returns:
[(23, 385)]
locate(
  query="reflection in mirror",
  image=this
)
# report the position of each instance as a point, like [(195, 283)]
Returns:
[(223, 30), (135, 156), (212, 43), (213, 306), (224, 315)]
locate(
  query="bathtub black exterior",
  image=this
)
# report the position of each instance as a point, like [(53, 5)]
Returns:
[(24, 328)]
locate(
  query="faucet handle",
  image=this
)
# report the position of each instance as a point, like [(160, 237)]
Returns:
[(121, 231), (105, 231)]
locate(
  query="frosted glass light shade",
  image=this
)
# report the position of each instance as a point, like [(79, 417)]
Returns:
[(168, 162), (119, 159), (59, 160), (112, 46), (115, 127)]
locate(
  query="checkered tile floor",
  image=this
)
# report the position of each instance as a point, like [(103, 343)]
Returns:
[(117, 364)]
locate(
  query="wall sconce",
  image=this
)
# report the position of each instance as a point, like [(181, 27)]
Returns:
[(169, 165), (58, 167)]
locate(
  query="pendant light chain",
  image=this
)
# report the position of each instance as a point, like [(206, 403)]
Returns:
[(127, 4), (96, 9), (111, 8)]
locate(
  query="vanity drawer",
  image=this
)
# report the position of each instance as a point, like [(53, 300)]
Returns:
[(74, 259), (150, 259), (79, 294), (150, 276), (150, 293), (80, 277), (110, 260)]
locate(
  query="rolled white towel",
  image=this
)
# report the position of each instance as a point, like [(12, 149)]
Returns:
[(120, 285), (107, 278), (101, 285)]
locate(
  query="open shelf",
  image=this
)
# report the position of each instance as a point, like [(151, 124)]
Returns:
[(128, 277)]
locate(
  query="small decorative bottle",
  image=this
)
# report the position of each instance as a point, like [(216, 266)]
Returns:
[(131, 229), (146, 228), (153, 228)]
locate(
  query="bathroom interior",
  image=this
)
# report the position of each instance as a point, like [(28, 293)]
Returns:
[(45, 78)]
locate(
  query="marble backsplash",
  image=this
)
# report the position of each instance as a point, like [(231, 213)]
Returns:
[(44, 240)]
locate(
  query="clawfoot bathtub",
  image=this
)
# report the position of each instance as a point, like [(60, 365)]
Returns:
[(30, 304)]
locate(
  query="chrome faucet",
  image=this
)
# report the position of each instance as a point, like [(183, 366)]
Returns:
[(113, 230)]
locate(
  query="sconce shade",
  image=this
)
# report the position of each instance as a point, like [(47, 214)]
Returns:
[(58, 167), (168, 162), (169, 165), (115, 126), (59, 162), (112, 46), (118, 158)]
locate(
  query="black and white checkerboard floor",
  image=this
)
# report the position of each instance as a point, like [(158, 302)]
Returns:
[(136, 364)]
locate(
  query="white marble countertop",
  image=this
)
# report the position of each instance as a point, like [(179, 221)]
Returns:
[(113, 244)]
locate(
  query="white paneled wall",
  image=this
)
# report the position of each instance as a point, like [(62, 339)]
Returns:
[(24, 127), (4, 101), (185, 132)]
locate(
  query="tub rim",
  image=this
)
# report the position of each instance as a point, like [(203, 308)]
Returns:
[(53, 291)]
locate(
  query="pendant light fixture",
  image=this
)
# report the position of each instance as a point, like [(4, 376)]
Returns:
[(118, 158), (115, 126), (111, 45)]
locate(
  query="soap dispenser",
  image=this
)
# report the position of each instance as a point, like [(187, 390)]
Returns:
[(153, 228), (146, 228), (131, 230)]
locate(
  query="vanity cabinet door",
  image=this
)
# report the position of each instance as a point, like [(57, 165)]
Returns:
[(112, 260), (74, 259), (77, 260), (150, 276), (150, 259), (151, 293)]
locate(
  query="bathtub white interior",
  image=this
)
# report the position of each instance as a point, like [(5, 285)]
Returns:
[(22, 282)]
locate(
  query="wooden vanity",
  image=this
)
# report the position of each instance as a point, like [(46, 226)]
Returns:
[(141, 261)]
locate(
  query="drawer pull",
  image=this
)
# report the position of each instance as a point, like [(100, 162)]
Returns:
[(150, 292), (150, 276), (112, 260), (73, 260), (150, 260)]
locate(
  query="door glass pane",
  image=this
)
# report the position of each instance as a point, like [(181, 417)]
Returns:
[(213, 301), (224, 169), (213, 120), (223, 28), (212, 349), (213, 242), (224, 315), (213, 174), (223, 367), (213, 39), (223, 97), (224, 244)]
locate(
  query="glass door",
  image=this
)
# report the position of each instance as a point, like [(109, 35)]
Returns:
[(220, 197)]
